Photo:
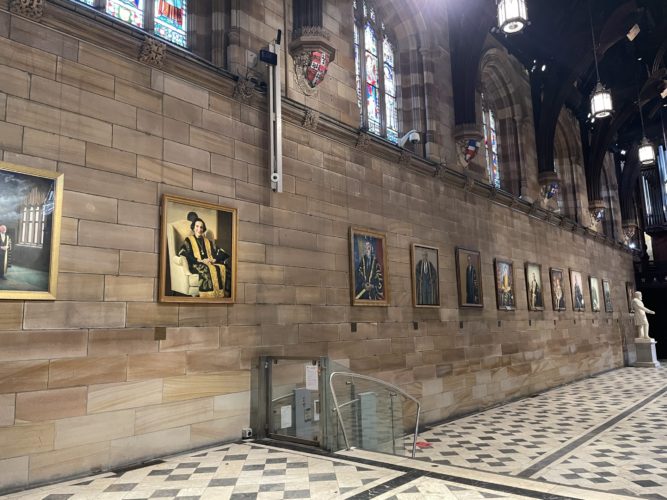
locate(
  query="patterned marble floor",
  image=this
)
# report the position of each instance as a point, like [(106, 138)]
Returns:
[(605, 433), (600, 438)]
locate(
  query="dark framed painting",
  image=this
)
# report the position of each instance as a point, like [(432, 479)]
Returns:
[(504, 278), (368, 268), (534, 288), (197, 251), (576, 283), (606, 293), (30, 222), (469, 277), (556, 277), (596, 295), (425, 276), (630, 293)]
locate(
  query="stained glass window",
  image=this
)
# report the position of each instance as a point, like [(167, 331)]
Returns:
[(129, 11), (170, 21), (490, 144), (375, 73)]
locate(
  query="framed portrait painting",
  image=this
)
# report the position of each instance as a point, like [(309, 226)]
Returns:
[(578, 303), (425, 276), (594, 285), (504, 277), (469, 277), (606, 293), (630, 292), (557, 288), (534, 289), (197, 251), (30, 219), (368, 268)]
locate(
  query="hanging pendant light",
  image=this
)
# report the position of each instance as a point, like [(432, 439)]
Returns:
[(512, 15), (601, 105), (646, 152)]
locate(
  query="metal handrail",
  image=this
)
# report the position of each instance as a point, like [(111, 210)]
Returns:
[(381, 382)]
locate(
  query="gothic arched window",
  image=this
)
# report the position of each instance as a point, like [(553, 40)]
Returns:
[(167, 19), (374, 56), (490, 144)]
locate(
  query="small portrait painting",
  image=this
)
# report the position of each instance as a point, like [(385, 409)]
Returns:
[(606, 293), (630, 292), (469, 277), (576, 283), (368, 263), (534, 287), (198, 251), (504, 273), (557, 289), (425, 276), (594, 285), (30, 218)]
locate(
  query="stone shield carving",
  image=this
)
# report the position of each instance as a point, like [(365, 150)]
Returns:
[(33, 9), (311, 67)]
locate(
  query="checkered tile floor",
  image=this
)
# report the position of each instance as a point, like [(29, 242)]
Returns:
[(235, 472), (598, 437), (629, 457)]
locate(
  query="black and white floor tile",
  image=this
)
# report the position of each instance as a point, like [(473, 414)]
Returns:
[(603, 437)]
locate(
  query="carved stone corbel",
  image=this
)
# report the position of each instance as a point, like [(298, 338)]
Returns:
[(311, 119), (405, 158), (363, 140), (243, 89), (153, 52), (32, 9)]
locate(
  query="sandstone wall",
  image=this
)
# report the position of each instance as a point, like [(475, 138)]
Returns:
[(89, 381)]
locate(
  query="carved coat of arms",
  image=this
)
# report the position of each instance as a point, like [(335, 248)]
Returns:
[(317, 69)]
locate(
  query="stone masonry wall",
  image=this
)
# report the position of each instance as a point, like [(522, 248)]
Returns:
[(85, 385)]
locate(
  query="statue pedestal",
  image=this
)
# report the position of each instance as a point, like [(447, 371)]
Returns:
[(645, 353)]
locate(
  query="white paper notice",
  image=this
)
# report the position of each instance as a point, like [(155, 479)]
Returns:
[(285, 416), (311, 378)]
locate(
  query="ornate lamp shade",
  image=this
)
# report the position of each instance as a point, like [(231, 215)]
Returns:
[(646, 152), (512, 15), (601, 105)]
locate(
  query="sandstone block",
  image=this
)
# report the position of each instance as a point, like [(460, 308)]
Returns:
[(50, 405), (185, 91), (151, 314), (156, 365), (77, 431), (111, 160), (100, 234), (138, 263), (109, 397), (7, 408), (53, 147), (167, 416), (25, 439), (162, 171), (18, 376), (191, 338), (63, 315), (29, 345), (28, 59), (108, 184), (137, 142), (181, 110), (76, 259), (213, 361), (58, 464), (182, 154), (122, 341), (80, 287), (14, 81), (12, 315), (191, 315), (115, 64), (87, 371), (128, 289), (205, 385), (211, 141), (85, 77), (138, 96), (89, 207), (144, 446)]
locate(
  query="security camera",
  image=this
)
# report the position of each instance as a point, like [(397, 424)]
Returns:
[(412, 136)]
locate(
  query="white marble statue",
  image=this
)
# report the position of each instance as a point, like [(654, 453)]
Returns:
[(640, 316)]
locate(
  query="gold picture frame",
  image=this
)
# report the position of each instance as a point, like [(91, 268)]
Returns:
[(534, 286), (30, 225), (198, 251), (505, 287), (577, 289), (425, 271), (369, 283)]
